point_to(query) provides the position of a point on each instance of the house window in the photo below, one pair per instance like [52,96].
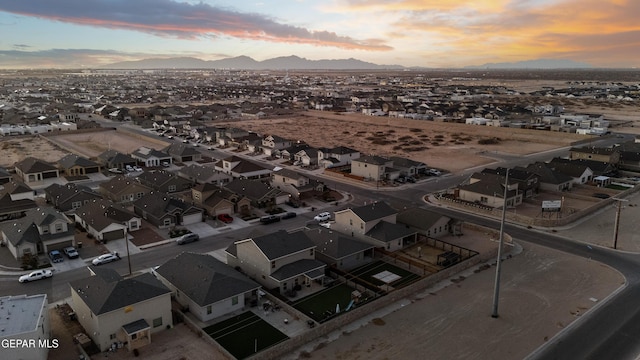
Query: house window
[350,221]
[484,199]
[361,225]
[172,188]
[157,322]
[284,286]
[311,252]
[58,227]
[177,293]
[124,197]
[134,336]
[112,337]
[167,221]
[273,264]
[76,204]
[139,195]
[133,225]
[234,300]
[209,310]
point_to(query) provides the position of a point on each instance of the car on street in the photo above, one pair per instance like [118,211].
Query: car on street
[268,219]
[71,252]
[187,238]
[35,275]
[601,195]
[225,218]
[55,256]
[322,217]
[289,215]
[104,259]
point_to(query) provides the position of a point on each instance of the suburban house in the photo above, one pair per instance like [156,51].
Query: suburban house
[338,156]
[270,143]
[279,260]
[579,172]
[107,221]
[528,182]
[374,223]
[340,251]
[260,193]
[599,168]
[603,154]
[25,318]
[289,153]
[113,310]
[14,209]
[112,159]
[243,169]
[371,167]
[488,189]
[38,232]
[306,157]
[163,181]
[550,179]
[17,190]
[206,286]
[426,222]
[296,184]
[216,200]
[69,196]
[165,211]
[122,189]
[74,165]
[34,171]
[181,152]
[151,157]
[200,174]
[408,167]
[629,156]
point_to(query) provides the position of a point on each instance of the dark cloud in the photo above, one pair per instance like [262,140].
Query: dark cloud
[182,20]
[21,46]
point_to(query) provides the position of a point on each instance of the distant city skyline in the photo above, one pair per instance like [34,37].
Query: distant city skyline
[437,34]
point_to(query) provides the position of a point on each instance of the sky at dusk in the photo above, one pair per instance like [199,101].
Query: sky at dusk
[440,34]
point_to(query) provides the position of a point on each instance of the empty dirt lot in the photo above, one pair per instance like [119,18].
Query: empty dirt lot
[449,146]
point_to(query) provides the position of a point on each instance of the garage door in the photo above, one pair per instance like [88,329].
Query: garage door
[224,210]
[91,170]
[113,235]
[192,219]
[60,245]
[187,158]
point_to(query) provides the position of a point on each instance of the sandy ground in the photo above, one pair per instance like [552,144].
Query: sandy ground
[542,292]
[88,145]
[447,146]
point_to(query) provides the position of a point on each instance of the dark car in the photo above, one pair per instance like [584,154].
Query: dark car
[269,219]
[187,238]
[55,256]
[225,218]
[601,195]
[289,215]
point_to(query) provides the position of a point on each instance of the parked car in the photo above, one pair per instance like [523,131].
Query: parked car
[322,217]
[165,164]
[435,172]
[268,219]
[187,238]
[137,168]
[35,275]
[225,218]
[129,168]
[410,179]
[115,171]
[289,215]
[71,252]
[105,258]
[55,256]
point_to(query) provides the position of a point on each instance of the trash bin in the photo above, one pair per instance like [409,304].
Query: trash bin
[79,244]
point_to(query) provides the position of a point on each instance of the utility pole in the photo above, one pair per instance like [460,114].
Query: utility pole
[616,225]
[496,292]
[126,242]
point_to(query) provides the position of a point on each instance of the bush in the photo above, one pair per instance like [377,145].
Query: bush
[489,141]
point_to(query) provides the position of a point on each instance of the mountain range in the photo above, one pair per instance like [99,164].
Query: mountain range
[246,63]
[297,63]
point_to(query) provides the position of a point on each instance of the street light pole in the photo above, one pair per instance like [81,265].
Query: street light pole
[126,242]
[496,292]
